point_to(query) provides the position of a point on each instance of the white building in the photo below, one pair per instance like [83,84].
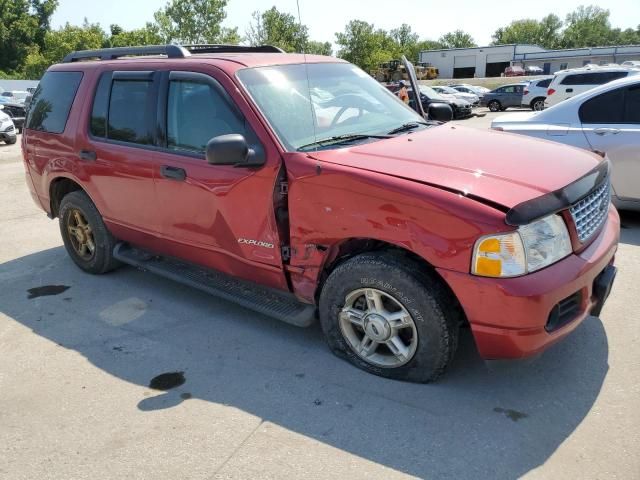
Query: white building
[491,61]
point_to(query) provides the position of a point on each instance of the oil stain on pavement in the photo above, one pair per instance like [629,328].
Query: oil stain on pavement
[167,381]
[46,290]
[512,414]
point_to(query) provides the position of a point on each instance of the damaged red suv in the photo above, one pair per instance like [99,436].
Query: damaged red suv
[301,188]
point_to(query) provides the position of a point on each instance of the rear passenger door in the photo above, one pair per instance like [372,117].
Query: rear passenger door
[221,216]
[611,123]
[118,153]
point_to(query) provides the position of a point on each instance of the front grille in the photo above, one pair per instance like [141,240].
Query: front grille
[590,213]
[565,311]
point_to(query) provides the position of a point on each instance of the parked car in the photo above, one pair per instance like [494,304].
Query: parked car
[568,83]
[15,96]
[477,89]
[533,70]
[17,113]
[472,98]
[535,92]
[631,63]
[604,119]
[504,97]
[396,230]
[7,129]
[514,71]
[461,108]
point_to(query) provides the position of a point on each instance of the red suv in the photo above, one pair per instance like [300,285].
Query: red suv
[299,186]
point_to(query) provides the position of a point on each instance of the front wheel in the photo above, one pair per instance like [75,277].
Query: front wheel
[494,106]
[11,141]
[85,236]
[382,314]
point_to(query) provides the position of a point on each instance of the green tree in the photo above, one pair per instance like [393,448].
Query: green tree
[194,21]
[457,39]
[23,24]
[280,29]
[147,35]
[319,48]
[59,43]
[544,33]
[587,27]
[406,42]
[361,44]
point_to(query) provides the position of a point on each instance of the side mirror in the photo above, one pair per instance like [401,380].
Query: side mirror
[231,149]
[440,112]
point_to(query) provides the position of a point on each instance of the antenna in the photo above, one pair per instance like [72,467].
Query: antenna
[306,71]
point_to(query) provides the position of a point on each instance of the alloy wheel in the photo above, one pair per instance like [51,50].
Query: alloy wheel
[80,234]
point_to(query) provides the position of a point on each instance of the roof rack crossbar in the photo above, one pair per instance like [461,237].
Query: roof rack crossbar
[224,48]
[171,51]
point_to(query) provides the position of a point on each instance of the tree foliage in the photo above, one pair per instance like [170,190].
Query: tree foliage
[457,39]
[194,21]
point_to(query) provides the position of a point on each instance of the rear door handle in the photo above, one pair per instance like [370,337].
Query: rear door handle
[569,90]
[87,155]
[606,131]
[174,173]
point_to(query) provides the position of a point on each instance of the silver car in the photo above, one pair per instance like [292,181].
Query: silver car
[605,119]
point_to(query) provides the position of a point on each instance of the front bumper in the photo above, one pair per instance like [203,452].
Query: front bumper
[509,317]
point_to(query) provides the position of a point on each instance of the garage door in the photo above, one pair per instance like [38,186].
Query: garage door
[465,61]
[498,57]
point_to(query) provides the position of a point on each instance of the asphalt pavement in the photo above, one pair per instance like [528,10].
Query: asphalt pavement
[128,375]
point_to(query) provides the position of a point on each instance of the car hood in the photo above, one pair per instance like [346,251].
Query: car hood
[500,168]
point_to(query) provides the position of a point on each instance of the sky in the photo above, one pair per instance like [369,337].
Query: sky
[326,17]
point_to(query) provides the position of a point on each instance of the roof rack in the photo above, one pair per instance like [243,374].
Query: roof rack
[171,51]
[224,48]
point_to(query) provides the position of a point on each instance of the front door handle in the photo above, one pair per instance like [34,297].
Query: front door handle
[174,173]
[606,131]
[87,155]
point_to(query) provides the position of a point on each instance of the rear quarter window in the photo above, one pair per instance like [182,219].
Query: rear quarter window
[544,83]
[51,103]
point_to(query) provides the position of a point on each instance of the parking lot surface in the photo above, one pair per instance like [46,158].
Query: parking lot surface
[81,394]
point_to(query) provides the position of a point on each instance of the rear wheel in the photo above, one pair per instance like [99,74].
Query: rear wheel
[11,141]
[537,104]
[86,238]
[379,312]
[494,106]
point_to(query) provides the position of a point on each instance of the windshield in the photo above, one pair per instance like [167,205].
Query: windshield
[337,99]
[430,93]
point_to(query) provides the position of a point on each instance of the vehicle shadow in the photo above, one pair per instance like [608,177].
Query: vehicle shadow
[630,227]
[486,420]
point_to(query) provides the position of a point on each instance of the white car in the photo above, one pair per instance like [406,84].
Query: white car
[568,83]
[7,129]
[477,89]
[472,98]
[535,92]
[605,119]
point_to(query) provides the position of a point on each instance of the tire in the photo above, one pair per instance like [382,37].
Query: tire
[494,106]
[101,259]
[537,104]
[11,141]
[395,278]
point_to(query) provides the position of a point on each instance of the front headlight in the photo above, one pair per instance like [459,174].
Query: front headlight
[523,251]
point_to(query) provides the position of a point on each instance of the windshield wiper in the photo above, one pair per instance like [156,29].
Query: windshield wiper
[337,139]
[407,126]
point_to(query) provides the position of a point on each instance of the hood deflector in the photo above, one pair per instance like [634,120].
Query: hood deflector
[561,199]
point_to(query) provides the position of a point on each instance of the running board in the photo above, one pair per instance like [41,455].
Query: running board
[280,305]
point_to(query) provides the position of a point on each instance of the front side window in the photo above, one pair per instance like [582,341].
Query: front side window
[305,103]
[51,103]
[195,114]
[129,111]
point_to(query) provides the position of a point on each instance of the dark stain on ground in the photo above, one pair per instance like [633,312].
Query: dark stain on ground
[300,375]
[118,349]
[185,396]
[512,414]
[317,402]
[46,290]
[167,381]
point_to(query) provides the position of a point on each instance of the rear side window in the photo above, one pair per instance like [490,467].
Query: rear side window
[128,111]
[592,78]
[121,110]
[544,83]
[51,103]
[195,114]
[605,108]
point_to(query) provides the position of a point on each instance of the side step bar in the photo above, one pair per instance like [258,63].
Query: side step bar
[280,305]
